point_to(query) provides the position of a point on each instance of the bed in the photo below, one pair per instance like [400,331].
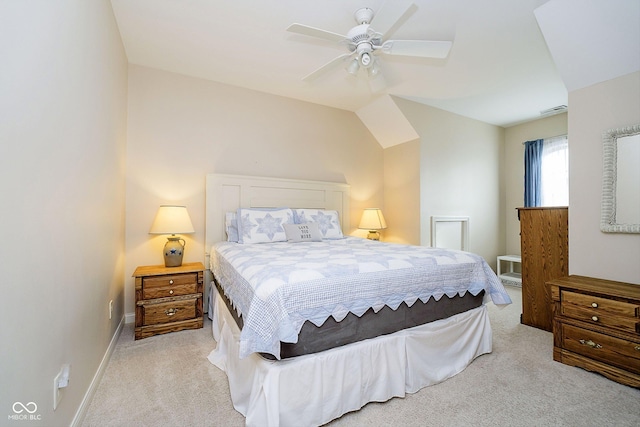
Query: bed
[303,345]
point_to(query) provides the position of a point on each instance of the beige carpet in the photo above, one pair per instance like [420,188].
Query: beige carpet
[167,381]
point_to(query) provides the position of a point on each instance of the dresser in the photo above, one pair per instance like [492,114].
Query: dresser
[544,246]
[596,326]
[168,299]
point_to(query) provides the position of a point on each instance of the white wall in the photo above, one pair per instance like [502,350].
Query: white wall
[63,82]
[514,169]
[593,110]
[402,193]
[182,128]
[460,174]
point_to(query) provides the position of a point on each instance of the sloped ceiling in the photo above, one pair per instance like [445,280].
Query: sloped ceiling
[499,69]
[602,44]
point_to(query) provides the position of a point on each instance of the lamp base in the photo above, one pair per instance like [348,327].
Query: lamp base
[373,235]
[173,252]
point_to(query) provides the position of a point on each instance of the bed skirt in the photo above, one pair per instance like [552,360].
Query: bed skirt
[317,388]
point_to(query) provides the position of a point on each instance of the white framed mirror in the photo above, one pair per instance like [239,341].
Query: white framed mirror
[621,180]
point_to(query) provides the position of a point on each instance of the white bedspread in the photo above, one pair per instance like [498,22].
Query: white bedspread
[276,287]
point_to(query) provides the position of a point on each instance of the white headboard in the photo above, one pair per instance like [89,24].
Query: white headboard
[226,193]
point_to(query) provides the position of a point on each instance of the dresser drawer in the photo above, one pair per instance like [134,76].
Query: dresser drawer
[168,286]
[172,311]
[606,312]
[605,348]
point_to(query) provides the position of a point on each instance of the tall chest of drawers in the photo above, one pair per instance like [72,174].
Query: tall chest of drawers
[596,326]
[544,247]
[168,299]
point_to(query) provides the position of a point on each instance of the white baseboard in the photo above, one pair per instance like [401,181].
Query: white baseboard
[86,401]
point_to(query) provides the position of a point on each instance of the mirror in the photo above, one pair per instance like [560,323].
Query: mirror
[621,181]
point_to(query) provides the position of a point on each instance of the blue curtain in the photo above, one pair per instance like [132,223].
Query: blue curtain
[532,172]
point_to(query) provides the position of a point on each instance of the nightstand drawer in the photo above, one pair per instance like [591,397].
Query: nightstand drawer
[621,308]
[606,312]
[171,290]
[168,280]
[172,311]
[608,349]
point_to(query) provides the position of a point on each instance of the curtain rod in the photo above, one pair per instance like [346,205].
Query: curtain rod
[551,137]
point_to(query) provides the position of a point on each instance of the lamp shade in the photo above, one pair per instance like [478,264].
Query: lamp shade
[372,219]
[172,220]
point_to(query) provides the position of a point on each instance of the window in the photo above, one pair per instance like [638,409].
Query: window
[554,177]
[546,172]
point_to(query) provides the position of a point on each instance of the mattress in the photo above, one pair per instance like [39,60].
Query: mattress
[332,334]
[278,287]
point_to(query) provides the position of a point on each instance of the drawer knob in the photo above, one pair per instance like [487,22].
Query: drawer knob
[594,304]
[595,318]
[171,311]
[171,282]
[171,292]
[590,343]
[638,348]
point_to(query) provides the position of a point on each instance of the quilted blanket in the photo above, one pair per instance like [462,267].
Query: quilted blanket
[276,287]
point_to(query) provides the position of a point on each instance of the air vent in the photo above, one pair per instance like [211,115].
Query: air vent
[555,110]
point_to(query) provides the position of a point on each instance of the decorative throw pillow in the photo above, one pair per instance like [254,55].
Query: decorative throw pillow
[328,221]
[231,225]
[263,225]
[302,232]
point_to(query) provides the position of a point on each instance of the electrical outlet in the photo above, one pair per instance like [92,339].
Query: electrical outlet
[110,309]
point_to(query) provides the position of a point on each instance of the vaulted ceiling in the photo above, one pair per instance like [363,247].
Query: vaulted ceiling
[499,70]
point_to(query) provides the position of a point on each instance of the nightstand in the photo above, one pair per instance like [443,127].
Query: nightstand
[596,326]
[168,299]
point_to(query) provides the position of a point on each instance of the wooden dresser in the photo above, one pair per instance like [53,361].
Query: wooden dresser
[544,245]
[168,299]
[596,326]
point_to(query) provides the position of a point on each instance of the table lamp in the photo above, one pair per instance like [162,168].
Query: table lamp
[172,220]
[372,220]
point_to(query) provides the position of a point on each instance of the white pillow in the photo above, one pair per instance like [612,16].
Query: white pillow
[263,225]
[231,225]
[328,221]
[303,232]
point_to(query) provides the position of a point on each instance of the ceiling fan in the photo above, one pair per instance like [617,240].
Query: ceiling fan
[370,38]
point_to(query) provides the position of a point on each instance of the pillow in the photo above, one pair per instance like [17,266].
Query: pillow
[303,232]
[263,225]
[231,225]
[328,221]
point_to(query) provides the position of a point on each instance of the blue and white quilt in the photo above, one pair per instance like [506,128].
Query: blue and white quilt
[276,287]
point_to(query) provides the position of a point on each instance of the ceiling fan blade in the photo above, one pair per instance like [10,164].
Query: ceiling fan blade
[391,16]
[420,48]
[334,63]
[316,32]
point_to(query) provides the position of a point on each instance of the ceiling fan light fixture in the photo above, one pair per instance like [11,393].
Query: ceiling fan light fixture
[374,69]
[353,67]
[366,59]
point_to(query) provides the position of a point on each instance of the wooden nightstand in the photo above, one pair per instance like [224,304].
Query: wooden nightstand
[596,326]
[168,299]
